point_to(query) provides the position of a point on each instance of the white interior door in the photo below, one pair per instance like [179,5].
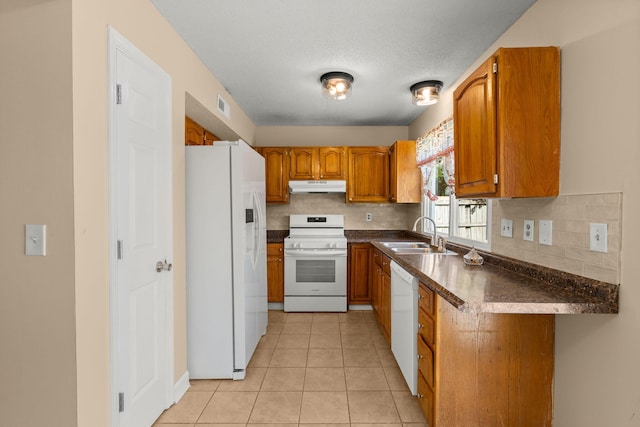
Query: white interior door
[141,200]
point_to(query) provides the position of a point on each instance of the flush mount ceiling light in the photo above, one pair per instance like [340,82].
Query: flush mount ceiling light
[336,85]
[425,93]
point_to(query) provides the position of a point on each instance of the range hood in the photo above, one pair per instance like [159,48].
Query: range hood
[303,187]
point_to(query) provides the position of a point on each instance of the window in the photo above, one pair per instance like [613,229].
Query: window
[466,221]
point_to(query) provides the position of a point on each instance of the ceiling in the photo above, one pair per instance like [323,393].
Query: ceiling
[270,54]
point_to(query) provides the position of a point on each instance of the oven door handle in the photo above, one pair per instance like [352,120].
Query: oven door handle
[315,253]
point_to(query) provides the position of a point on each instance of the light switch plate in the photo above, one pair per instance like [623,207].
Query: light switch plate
[598,238]
[528,230]
[545,232]
[506,228]
[35,239]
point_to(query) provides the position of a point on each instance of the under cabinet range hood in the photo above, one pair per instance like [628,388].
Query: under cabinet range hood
[303,187]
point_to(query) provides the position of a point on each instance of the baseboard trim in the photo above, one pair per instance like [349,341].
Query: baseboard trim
[362,307]
[181,387]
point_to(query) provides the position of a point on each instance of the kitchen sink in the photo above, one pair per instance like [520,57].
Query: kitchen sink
[421,251]
[408,248]
[407,245]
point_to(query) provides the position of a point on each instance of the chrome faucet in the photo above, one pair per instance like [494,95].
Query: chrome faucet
[435,230]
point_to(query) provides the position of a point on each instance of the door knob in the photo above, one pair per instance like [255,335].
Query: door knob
[163,266]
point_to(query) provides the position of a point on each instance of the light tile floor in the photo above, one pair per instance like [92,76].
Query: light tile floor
[309,369]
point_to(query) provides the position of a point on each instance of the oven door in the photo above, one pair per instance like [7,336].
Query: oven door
[309,272]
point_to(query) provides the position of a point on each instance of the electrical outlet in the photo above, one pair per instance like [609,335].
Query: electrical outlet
[545,233]
[528,230]
[598,237]
[506,228]
[368,216]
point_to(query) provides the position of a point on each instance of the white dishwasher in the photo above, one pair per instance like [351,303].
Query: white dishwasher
[404,323]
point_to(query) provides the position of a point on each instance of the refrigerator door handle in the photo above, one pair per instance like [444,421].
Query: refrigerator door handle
[258,225]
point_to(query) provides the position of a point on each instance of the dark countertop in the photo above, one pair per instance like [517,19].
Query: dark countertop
[500,285]
[504,285]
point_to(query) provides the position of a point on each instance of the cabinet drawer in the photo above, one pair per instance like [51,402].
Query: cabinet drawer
[425,361]
[274,249]
[425,400]
[426,299]
[426,328]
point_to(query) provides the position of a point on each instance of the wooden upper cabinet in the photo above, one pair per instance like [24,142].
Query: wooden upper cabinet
[193,132]
[209,138]
[317,163]
[276,174]
[368,174]
[507,126]
[404,175]
[332,162]
[304,163]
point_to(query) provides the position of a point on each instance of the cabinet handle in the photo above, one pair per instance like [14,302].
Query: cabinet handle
[420,326]
[420,296]
[420,396]
[419,356]
[279,259]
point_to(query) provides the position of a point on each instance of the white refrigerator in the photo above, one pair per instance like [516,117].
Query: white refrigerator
[226,258]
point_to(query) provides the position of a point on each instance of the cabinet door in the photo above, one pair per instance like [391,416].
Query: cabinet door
[474,121]
[304,163]
[275,272]
[359,289]
[374,279]
[209,138]
[277,173]
[368,174]
[385,306]
[332,162]
[404,176]
[193,132]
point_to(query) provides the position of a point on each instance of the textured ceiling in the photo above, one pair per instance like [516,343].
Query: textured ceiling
[269,54]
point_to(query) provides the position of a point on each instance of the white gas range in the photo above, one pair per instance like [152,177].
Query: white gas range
[315,264]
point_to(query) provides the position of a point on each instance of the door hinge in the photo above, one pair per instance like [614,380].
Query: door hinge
[495,178]
[495,68]
[120,402]
[118,94]
[119,249]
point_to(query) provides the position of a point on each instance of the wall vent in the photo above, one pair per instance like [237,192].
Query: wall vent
[224,108]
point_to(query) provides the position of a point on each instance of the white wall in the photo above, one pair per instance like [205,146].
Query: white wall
[274,136]
[597,374]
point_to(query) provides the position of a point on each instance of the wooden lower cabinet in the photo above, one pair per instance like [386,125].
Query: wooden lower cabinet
[275,272]
[358,277]
[375,278]
[385,298]
[380,285]
[483,369]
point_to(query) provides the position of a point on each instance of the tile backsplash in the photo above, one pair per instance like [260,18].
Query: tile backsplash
[385,216]
[571,216]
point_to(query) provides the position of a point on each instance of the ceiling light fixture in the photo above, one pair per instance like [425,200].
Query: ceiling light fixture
[425,93]
[336,85]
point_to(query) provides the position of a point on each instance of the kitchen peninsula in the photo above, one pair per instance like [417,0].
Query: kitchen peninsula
[486,335]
